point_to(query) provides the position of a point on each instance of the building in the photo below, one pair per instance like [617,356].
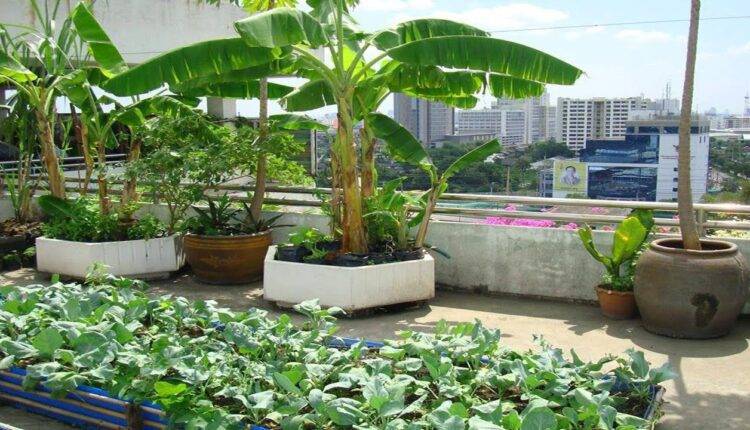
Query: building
[465,139]
[539,116]
[643,164]
[597,118]
[508,125]
[427,121]
[737,121]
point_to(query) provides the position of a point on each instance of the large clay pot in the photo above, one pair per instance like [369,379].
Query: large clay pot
[691,294]
[618,305]
[227,259]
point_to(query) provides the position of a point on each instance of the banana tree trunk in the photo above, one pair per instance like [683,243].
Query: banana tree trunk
[369,174]
[104,203]
[335,196]
[82,139]
[259,192]
[688,225]
[354,238]
[429,209]
[25,189]
[129,194]
[55,178]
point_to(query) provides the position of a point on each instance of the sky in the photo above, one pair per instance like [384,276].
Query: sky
[619,61]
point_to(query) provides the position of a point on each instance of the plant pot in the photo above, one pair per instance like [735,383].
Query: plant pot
[618,305]
[227,259]
[691,294]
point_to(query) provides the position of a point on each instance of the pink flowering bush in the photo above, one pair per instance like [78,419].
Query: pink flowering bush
[525,222]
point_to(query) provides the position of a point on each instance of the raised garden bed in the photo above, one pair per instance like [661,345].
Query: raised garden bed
[206,366]
[153,258]
[350,288]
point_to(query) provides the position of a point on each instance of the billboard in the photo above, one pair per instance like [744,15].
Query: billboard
[571,178]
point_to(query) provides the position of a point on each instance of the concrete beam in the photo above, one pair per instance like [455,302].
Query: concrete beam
[221,108]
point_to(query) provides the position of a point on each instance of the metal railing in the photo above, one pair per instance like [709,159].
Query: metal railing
[67,164]
[703,210]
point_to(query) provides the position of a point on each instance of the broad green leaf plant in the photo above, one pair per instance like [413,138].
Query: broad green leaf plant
[210,367]
[352,69]
[629,239]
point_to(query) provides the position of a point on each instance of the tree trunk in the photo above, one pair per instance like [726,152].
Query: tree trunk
[104,203]
[369,174]
[129,194]
[354,238]
[259,192]
[335,196]
[688,225]
[424,225]
[55,178]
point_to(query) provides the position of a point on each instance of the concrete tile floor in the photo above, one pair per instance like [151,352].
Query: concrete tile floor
[713,390]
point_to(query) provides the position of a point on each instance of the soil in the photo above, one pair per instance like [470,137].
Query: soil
[12,227]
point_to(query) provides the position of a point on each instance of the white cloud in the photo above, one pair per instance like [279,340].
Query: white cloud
[584,33]
[644,36]
[395,5]
[506,17]
[740,50]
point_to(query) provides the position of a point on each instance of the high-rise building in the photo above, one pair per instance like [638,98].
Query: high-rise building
[427,121]
[597,118]
[508,125]
[537,116]
[737,121]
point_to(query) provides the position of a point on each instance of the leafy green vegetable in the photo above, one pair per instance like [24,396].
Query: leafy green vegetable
[209,367]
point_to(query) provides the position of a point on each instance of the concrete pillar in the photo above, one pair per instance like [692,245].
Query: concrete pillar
[221,108]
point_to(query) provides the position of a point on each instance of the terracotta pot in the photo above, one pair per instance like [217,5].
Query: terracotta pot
[618,305]
[691,294]
[227,259]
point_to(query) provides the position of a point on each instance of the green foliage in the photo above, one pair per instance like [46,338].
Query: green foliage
[391,214]
[223,218]
[210,367]
[82,221]
[630,238]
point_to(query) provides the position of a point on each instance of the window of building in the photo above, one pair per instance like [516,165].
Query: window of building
[672,130]
[630,183]
[648,129]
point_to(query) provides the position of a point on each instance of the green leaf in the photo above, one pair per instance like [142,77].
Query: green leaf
[662,373]
[100,45]
[539,419]
[10,68]
[168,389]
[638,363]
[237,90]
[292,122]
[487,55]
[480,153]
[587,238]
[310,95]
[285,383]
[629,236]
[189,62]
[401,144]
[55,207]
[47,342]
[420,29]
[281,27]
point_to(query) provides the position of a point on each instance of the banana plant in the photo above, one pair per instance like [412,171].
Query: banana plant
[360,66]
[629,239]
[391,214]
[404,147]
[97,128]
[36,62]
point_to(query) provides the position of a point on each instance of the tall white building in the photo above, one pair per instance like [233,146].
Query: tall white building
[597,118]
[508,125]
[427,121]
[537,112]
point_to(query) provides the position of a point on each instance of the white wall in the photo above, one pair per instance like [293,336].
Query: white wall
[668,163]
[142,29]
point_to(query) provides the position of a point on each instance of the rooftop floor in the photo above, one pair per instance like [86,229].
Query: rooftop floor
[713,390]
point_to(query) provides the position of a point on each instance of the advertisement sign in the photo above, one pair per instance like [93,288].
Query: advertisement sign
[570,178]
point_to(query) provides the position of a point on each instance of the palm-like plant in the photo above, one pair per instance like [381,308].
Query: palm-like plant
[36,61]
[434,58]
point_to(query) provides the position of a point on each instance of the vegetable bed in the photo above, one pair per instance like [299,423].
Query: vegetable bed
[197,366]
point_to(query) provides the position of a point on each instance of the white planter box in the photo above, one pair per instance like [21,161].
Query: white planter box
[350,288]
[142,259]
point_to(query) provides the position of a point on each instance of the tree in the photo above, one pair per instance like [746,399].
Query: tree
[688,225]
[437,58]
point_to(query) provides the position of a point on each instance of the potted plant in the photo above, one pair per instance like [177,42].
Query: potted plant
[690,287]
[223,247]
[615,293]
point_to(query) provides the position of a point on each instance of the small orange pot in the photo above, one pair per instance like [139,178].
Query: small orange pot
[227,259]
[618,305]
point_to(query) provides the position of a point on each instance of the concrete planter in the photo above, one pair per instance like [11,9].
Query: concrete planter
[142,259]
[350,288]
